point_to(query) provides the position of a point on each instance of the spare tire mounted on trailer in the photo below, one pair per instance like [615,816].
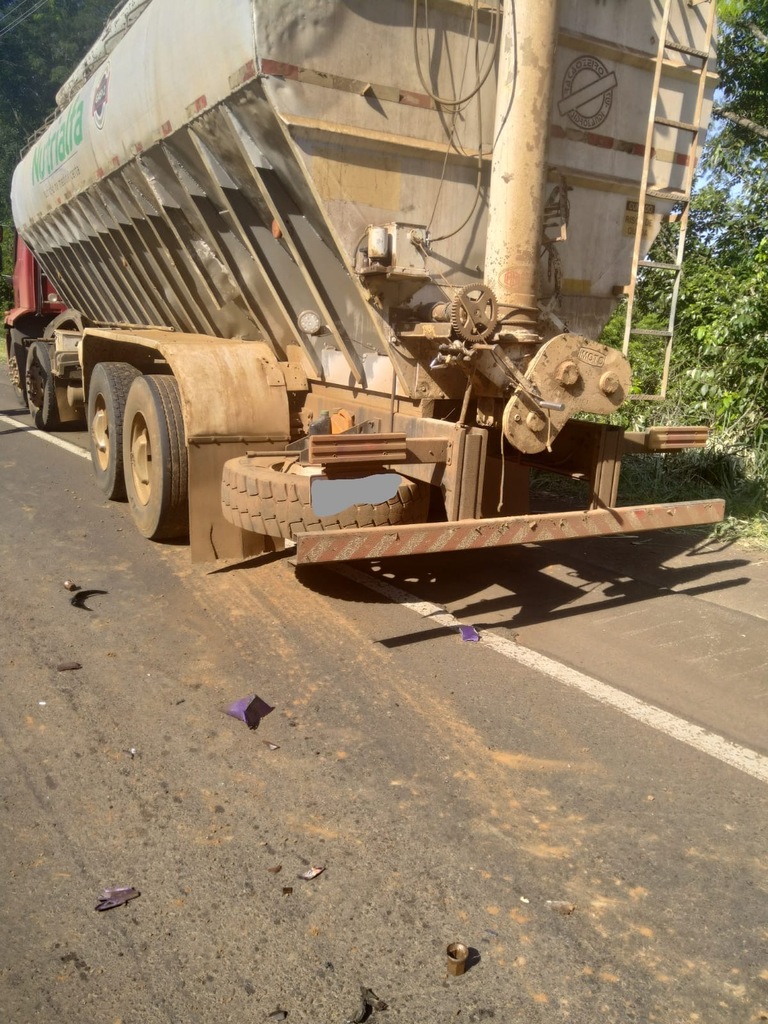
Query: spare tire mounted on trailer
[265,500]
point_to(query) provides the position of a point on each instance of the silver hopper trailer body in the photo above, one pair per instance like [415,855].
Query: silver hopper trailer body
[336,269]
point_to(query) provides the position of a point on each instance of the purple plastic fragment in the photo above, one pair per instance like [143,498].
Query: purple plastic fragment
[250,710]
[470,634]
[116,896]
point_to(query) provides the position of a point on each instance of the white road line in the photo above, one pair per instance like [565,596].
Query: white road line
[742,758]
[66,445]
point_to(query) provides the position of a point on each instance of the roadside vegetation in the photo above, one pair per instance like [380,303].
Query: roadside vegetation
[40,46]
[719,373]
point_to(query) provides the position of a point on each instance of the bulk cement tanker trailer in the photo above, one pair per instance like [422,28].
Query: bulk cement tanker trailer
[334,270]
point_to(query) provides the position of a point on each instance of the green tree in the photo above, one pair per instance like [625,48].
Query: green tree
[723,313]
[738,142]
[37,54]
[719,372]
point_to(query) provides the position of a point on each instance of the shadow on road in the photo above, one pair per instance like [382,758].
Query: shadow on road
[527,585]
[17,412]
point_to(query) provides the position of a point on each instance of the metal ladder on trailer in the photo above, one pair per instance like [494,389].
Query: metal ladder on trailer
[696,61]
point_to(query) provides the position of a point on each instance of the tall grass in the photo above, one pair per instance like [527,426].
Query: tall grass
[726,468]
[720,470]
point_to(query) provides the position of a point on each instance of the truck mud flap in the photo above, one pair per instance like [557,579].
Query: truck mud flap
[472,534]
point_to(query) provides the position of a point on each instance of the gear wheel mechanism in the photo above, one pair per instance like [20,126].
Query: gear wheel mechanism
[474,312]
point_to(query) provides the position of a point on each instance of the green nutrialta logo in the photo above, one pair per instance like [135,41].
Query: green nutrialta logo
[62,140]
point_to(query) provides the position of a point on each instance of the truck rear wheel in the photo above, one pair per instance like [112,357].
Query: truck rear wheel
[267,501]
[155,458]
[41,390]
[17,364]
[107,396]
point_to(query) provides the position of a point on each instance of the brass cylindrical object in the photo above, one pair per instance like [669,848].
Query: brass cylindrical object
[457,958]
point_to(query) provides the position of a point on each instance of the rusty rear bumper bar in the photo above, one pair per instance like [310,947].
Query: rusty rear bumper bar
[472,534]
[664,439]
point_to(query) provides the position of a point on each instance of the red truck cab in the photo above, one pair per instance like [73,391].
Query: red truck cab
[35,304]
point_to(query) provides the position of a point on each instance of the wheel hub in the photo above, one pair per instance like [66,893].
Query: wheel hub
[35,385]
[13,372]
[141,459]
[100,434]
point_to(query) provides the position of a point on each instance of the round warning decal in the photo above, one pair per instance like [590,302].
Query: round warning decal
[100,97]
[587,93]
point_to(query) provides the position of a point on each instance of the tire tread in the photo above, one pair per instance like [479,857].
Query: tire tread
[118,378]
[277,504]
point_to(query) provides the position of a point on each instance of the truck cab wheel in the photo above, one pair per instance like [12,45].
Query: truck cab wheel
[107,395]
[155,458]
[40,387]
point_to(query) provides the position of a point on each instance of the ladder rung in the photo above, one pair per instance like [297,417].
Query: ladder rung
[668,193]
[683,126]
[659,266]
[691,51]
[647,398]
[692,64]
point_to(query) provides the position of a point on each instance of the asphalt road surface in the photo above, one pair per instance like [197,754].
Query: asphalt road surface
[580,797]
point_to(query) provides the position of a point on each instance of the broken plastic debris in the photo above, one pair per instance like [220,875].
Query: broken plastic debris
[369,1001]
[70,585]
[561,907]
[524,900]
[116,896]
[469,633]
[276,869]
[311,873]
[132,751]
[68,666]
[272,746]
[250,710]
[287,890]
[78,601]
[42,703]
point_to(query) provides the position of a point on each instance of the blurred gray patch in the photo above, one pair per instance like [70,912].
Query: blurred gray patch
[329,497]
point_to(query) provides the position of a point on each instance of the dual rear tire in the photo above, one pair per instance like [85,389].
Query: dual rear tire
[138,447]
[138,451]
[107,396]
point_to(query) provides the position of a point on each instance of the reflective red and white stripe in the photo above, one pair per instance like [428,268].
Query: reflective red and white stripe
[472,534]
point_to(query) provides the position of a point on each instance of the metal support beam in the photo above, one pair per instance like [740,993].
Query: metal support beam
[473,534]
